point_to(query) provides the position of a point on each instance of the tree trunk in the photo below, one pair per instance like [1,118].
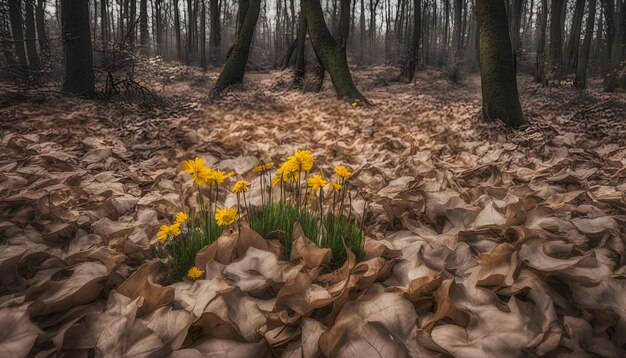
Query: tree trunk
[571,52]
[235,65]
[553,68]
[15,17]
[179,49]
[143,24]
[408,70]
[497,72]
[300,50]
[362,34]
[583,56]
[6,42]
[541,43]
[214,36]
[330,53]
[31,38]
[77,47]
[203,61]
[41,27]
[516,18]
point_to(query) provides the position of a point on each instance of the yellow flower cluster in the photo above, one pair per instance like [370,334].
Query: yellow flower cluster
[203,175]
[289,171]
[225,217]
[241,186]
[194,273]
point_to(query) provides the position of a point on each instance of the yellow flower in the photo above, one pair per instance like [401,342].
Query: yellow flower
[226,216]
[276,180]
[263,167]
[219,176]
[199,173]
[336,186]
[303,159]
[181,217]
[194,273]
[241,186]
[316,182]
[289,170]
[166,231]
[343,172]
[354,104]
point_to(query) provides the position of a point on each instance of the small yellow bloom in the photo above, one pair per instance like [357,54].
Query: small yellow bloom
[316,182]
[303,159]
[269,165]
[258,169]
[219,176]
[354,104]
[167,231]
[343,172]
[276,180]
[241,186]
[226,216]
[336,186]
[194,273]
[181,217]
[289,170]
[199,173]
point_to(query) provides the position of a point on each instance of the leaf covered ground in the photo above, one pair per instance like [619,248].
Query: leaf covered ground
[481,241]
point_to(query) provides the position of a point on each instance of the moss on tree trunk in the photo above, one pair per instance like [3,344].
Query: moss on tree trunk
[332,56]
[235,65]
[497,71]
[77,47]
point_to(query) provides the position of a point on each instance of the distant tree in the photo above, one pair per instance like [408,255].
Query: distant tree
[555,52]
[15,17]
[31,37]
[331,53]
[79,77]
[408,70]
[583,55]
[542,21]
[235,65]
[497,70]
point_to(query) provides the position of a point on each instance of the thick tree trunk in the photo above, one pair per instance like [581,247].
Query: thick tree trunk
[330,53]
[583,56]
[235,65]
[516,18]
[541,43]
[15,17]
[553,68]
[31,38]
[77,47]
[41,27]
[408,71]
[497,72]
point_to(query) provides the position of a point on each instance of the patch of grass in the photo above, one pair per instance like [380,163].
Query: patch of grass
[195,235]
[339,229]
[282,217]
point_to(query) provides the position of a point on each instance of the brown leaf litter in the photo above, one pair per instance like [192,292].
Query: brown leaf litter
[482,242]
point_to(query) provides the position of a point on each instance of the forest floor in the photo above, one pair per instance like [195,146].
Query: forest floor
[484,241]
